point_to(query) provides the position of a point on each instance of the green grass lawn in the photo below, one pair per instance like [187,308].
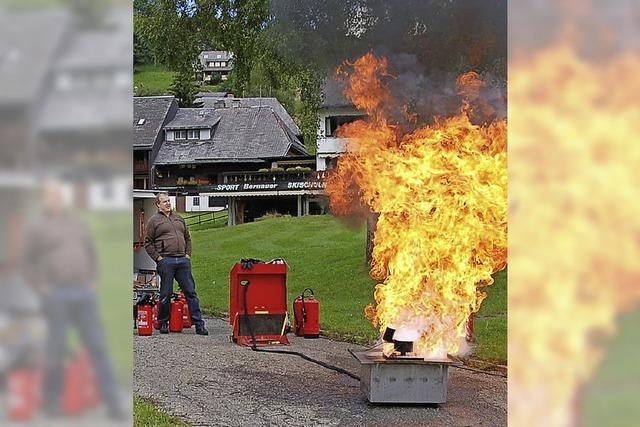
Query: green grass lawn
[112,237]
[146,414]
[151,80]
[328,257]
[611,397]
[491,322]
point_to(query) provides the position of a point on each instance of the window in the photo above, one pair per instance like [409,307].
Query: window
[218,56]
[211,64]
[217,202]
[141,122]
[193,134]
[223,64]
[217,64]
[181,134]
[196,201]
[331,163]
[333,123]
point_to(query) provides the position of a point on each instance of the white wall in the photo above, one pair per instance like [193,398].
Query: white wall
[330,146]
[110,195]
[321,163]
[169,135]
[189,203]
[205,134]
[204,205]
[331,112]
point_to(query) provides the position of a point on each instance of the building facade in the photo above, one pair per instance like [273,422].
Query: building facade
[150,114]
[241,154]
[215,65]
[334,112]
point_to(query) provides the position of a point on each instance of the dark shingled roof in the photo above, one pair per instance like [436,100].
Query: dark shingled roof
[194,118]
[212,102]
[242,134]
[84,110]
[153,109]
[103,48]
[29,42]
[333,91]
[225,56]
[211,94]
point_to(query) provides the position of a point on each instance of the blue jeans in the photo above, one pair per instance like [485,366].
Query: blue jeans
[178,268]
[77,307]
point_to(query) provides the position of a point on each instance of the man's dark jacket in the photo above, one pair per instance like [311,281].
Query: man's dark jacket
[167,236]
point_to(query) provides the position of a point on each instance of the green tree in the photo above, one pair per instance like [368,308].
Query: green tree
[169,30]
[184,88]
[141,54]
[234,25]
[309,83]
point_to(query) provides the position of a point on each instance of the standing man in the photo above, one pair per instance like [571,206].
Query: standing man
[168,243]
[60,262]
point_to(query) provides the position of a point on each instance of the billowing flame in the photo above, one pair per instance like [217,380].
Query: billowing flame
[574,249]
[440,193]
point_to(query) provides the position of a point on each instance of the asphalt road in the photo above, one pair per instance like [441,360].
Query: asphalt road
[209,381]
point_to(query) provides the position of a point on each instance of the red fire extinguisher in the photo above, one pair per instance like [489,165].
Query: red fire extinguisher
[72,401]
[23,387]
[145,317]
[470,333]
[90,389]
[175,315]
[306,312]
[186,314]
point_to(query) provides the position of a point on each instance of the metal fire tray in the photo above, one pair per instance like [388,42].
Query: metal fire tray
[400,380]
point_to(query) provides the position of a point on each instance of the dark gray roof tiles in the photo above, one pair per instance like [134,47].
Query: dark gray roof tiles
[241,134]
[333,94]
[211,94]
[216,56]
[212,55]
[216,102]
[30,42]
[103,48]
[194,118]
[153,109]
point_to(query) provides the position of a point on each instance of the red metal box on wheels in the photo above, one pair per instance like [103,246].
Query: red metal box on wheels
[258,303]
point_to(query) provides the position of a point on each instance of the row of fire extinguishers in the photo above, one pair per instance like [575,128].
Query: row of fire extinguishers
[80,392]
[149,307]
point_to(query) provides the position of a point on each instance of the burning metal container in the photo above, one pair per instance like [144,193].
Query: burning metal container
[395,374]
[402,379]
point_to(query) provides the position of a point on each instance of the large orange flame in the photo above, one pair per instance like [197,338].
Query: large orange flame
[441,195]
[574,228]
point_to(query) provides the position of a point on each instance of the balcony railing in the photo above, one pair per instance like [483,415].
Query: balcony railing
[272,176]
[331,145]
[253,181]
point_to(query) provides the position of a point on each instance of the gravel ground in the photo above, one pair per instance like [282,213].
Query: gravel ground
[209,381]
